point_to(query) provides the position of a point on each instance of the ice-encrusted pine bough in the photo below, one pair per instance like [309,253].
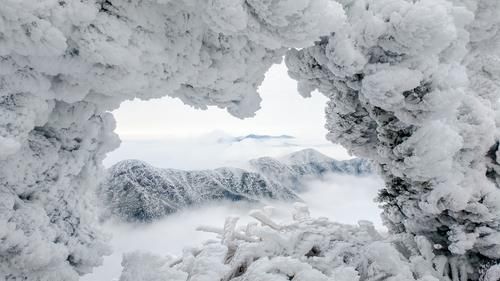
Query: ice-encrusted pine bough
[65,64]
[414,86]
[305,249]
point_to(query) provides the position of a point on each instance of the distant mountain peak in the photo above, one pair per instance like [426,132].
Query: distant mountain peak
[304,156]
[255,136]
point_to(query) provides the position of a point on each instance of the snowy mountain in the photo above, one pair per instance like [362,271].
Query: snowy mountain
[292,169]
[137,191]
[255,137]
[263,137]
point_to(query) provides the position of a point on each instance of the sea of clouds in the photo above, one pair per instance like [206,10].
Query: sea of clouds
[345,199]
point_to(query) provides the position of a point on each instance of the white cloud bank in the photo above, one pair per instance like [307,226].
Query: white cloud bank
[207,152]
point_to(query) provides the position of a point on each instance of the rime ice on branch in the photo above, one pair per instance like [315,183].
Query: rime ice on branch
[414,86]
[65,64]
[305,249]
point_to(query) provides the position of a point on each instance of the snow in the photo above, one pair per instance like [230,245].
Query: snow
[305,156]
[136,191]
[65,64]
[8,147]
[398,74]
[409,89]
[334,197]
[306,249]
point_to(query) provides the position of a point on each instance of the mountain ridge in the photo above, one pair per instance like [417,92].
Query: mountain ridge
[255,137]
[137,191]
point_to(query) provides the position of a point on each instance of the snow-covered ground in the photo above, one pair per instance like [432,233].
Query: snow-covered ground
[344,199]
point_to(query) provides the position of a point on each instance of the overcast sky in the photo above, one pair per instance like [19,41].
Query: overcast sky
[283,111]
[167,133]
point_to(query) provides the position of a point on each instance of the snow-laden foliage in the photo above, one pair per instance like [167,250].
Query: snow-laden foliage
[136,191]
[305,249]
[64,64]
[414,86]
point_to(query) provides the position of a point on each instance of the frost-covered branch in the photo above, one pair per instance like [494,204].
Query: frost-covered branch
[65,64]
[413,85]
[305,249]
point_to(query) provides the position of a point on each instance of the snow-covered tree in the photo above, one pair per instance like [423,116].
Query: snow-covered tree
[414,86]
[305,249]
[65,64]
